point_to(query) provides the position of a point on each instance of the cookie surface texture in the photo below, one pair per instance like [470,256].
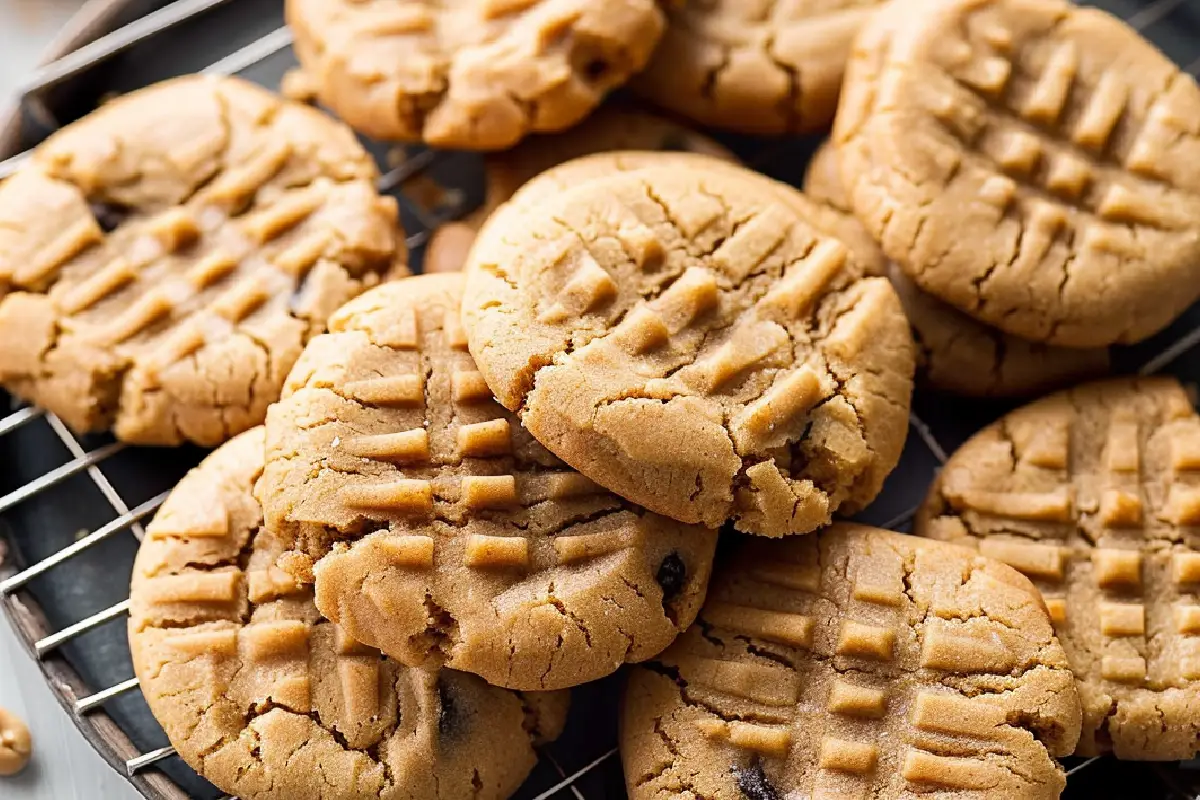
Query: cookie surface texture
[955,352]
[765,66]
[566,175]
[438,530]
[1094,493]
[1030,162]
[470,74]
[683,338]
[164,260]
[263,696]
[855,663]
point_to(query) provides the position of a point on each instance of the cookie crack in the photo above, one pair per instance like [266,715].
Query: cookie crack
[558,605]
[789,104]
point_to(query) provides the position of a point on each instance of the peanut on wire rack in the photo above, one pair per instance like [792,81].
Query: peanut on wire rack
[72,507]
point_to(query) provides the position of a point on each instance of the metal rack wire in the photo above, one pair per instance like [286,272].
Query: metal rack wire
[560,771]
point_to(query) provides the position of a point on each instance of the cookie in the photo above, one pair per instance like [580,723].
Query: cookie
[768,67]
[476,75]
[448,247]
[263,696]
[855,662]
[164,260]
[436,528]
[1094,493]
[683,338]
[955,352]
[16,745]
[1030,162]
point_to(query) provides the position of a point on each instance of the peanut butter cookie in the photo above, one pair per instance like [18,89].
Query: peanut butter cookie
[1094,493]
[1029,161]
[267,699]
[687,340]
[470,74]
[436,528]
[763,66]
[855,663]
[164,260]
[955,352]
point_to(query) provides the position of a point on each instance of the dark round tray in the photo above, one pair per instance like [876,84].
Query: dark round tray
[99,481]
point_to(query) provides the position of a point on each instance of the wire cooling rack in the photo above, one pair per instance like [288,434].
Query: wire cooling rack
[72,507]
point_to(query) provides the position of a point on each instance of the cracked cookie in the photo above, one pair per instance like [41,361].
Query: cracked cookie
[855,662]
[436,528]
[470,74]
[767,66]
[1030,162]
[164,260]
[955,352]
[1094,494]
[267,699]
[685,339]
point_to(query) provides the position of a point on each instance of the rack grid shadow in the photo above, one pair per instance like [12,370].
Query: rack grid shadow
[72,507]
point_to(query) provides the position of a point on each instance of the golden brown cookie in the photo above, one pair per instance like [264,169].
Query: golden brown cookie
[757,66]
[267,699]
[470,74]
[1029,161]
[439,531]
[955,352]
[1094,493]
[685,339]
[168,256]
[855,662]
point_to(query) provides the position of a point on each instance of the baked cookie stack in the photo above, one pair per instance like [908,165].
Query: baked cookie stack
[164,260]
[442,501]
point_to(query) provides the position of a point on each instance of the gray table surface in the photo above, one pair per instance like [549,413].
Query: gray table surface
[64,766]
